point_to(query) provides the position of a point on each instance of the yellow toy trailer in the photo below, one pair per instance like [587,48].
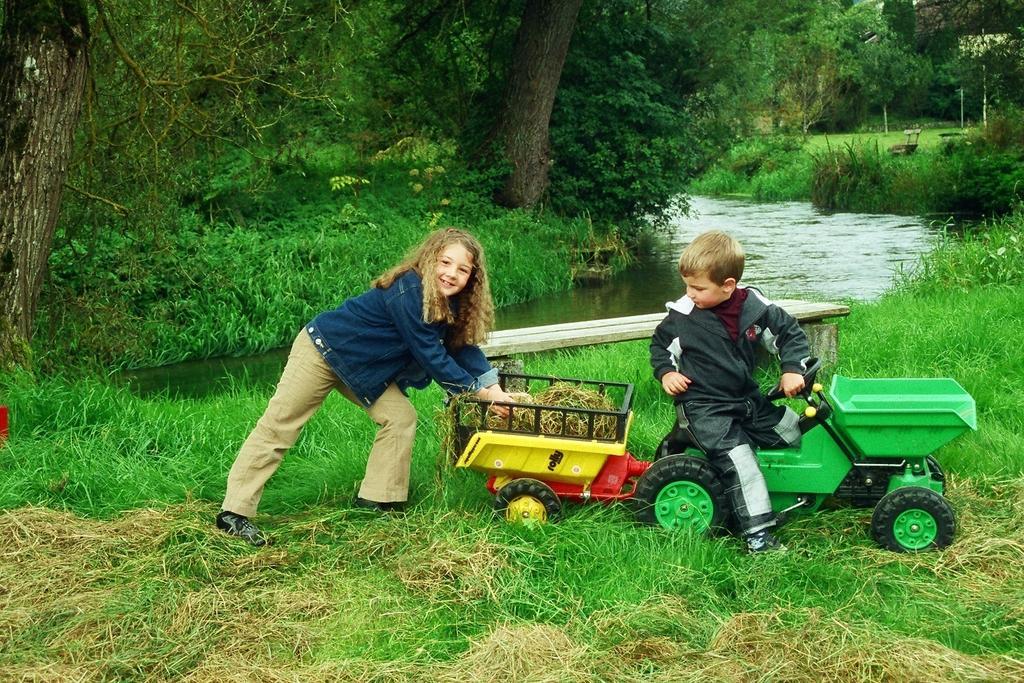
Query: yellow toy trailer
[542,454]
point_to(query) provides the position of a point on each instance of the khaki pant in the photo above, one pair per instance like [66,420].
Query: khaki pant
[304,384]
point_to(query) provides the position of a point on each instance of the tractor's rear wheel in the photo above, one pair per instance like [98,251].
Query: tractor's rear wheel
[912,519]
[681,492]
[935,469]
[525,500]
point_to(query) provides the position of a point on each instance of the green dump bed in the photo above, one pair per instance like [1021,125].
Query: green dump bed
[900,417]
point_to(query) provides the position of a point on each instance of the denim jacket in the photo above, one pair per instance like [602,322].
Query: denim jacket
[380,337]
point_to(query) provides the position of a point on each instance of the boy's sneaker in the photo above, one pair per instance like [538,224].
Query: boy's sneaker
[763,542]
[239,525]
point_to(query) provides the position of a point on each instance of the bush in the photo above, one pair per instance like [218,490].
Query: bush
[621,153]
[984,179]
[867,178]
[771,168]
[761,154]
[720,181]
[1005,130]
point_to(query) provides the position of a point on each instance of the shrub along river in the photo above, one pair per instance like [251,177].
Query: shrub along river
[793,251]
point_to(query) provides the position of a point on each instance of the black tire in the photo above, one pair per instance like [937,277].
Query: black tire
[935,469]
[676,442]
[519,491]
[913,519]
[681,491]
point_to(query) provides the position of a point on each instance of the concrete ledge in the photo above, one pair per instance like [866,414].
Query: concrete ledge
[823,336]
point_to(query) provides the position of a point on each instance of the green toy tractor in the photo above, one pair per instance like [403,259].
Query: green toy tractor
[865,441]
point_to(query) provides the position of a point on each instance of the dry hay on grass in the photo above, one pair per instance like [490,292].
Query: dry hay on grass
[127,598]
[455,569]
[795,646]
[226,669]
[439,559]
[985,562]
[50,558]
[989,544]
[31,672]
[521,652]
[770,647]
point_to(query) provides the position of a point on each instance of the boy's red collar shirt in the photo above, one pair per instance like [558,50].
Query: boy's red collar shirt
[729,312]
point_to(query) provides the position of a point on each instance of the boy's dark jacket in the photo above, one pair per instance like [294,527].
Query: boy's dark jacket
[380,337]
[694,342]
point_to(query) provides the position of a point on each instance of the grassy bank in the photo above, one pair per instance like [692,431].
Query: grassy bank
[791,169]
[112,570]
[977,172]
[239,270]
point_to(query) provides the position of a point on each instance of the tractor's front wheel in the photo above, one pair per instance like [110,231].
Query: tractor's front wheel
[524,500]
[912,519]
[681,492]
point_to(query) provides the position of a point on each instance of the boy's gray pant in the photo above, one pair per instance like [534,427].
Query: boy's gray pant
[728,432]
[305,383]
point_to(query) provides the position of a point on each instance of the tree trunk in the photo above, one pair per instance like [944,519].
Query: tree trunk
[43,66]
[539,55]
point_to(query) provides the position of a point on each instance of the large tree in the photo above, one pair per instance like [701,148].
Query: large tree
[43,66]
[539,55]
[167,82]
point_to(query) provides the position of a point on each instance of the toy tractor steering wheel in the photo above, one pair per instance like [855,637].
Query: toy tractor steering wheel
[813,365]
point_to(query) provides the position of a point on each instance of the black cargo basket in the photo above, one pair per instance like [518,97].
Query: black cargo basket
[609,426]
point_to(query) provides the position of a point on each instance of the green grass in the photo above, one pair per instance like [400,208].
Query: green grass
[843,172]
[111,568]
[930,138]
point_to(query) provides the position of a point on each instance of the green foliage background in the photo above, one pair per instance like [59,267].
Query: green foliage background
[238,161]
[266,160]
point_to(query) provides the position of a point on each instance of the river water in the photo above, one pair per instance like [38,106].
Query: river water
[793,251]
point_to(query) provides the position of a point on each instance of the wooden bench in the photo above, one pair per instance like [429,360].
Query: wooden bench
[910,145]
[822,335]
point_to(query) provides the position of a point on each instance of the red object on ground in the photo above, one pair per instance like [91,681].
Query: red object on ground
[3,423]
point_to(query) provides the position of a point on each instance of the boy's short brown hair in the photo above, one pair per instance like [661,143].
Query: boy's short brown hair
[715,254]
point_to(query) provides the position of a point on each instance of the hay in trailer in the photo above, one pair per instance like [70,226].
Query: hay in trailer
[547,404]
[561,422]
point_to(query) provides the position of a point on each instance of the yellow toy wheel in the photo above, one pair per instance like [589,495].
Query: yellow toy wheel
[526,508]
[527,500]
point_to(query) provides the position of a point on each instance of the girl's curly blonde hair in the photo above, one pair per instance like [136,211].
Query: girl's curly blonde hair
[474,305]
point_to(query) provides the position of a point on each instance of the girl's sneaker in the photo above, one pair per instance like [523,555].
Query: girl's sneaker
[239,525]
[763,542]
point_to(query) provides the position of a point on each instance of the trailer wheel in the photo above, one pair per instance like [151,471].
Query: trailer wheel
[912,519]
[681,492]
[523,500]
